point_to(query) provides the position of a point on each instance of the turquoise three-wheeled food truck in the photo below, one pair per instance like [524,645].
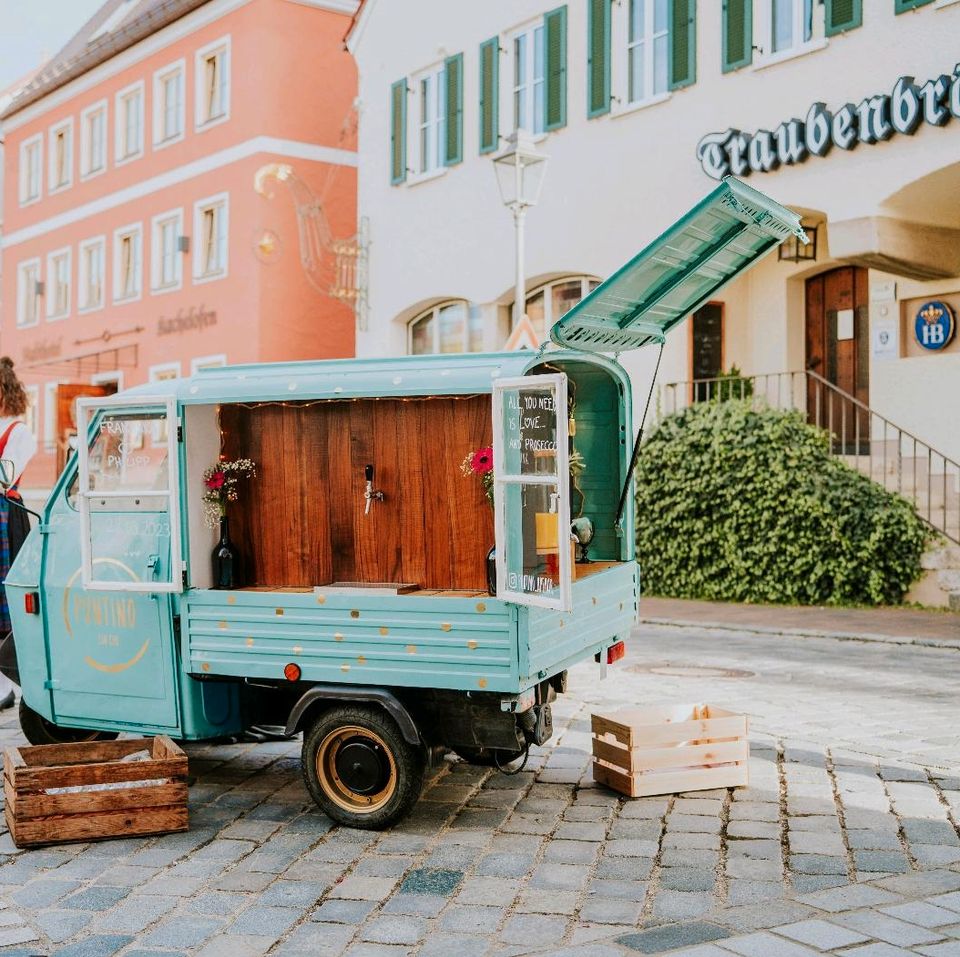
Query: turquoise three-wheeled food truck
[395,594]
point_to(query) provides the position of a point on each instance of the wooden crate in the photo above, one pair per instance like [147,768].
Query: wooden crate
[38,811]
[664,750]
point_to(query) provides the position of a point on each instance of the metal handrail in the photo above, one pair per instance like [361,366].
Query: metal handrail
[856,431]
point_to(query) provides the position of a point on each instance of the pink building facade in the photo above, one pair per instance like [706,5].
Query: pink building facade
[139,241]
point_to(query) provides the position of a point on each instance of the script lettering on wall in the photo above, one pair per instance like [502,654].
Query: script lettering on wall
[873,120]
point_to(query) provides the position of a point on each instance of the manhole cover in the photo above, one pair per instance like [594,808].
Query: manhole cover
[690,671]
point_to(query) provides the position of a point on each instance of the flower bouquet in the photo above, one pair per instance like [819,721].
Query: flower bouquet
[220,482]
[480,464]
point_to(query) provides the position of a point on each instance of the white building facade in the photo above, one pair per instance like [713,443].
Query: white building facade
[848,111]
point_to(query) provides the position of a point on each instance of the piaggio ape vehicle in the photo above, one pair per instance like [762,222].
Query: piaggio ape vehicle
[363,616]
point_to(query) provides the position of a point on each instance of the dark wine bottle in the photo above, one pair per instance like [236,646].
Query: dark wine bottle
[224,558]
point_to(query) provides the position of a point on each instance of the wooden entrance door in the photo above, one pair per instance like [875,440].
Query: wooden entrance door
[836,350]
[67,395]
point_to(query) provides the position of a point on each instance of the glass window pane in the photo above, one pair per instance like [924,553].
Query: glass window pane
[660,16]
[539,85]
[529,432]
[531,549]
[636,19]
[475,329]
[421,336]
[564,296]
[535,307]
[782,24]
[636,84]
[807,20]
[660,59]
[520,82]
[452,327]
[126,454]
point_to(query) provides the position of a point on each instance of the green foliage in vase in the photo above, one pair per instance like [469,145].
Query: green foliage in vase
[742,504]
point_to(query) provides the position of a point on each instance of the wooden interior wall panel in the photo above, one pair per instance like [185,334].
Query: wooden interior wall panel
[301,522]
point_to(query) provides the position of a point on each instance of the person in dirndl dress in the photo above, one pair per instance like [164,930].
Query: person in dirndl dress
[18,445]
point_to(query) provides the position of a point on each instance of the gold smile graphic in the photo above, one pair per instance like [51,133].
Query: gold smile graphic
[88,659]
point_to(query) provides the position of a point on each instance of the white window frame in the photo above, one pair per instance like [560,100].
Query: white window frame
[158,373]
[547,288]
[620,60]
[27,198]
[113,377]
[133,229]
[201,120]
[23,295]
[157,285]
[430,131]
[160,139]
[557,384]
[31,416]
[87,171]
[122,152]
[83,277]
[223,201]
[208,362]
[533,87]
[763,28]
[434,313]
[65,127]
[50,290]
[85,406]
[50,415]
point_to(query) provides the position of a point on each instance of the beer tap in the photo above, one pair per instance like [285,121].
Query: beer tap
[371,494]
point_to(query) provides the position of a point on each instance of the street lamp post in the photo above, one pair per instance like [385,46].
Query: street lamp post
[520,168]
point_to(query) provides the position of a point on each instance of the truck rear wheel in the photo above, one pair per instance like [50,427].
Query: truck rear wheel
[37,730]
[360,769]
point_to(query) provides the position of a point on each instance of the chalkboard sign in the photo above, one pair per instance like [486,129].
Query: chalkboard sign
[531,423]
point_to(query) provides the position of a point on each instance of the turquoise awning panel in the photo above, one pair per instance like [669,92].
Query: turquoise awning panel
[720,238]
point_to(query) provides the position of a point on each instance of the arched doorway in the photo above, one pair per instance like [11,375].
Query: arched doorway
[837,337]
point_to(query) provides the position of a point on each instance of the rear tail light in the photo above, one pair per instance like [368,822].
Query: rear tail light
[616,652]
[31,603]
[292,672]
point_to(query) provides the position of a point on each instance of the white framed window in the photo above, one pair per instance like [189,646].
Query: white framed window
[431,111]
[210,226]
[31,169]
[114,377]
[93,139]
[166,262]
[529,78]
[50,416]
[91,255]
[791,24]
[28,293]
[646,37]
[33,407]
[164,372]
[547,303]
[212,71]
[448,327]
[207,362]
[168,104]
[129,123]
[58,283]
[128,263]
[60,174]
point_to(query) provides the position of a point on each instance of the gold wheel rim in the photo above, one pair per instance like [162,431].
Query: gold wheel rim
[336,789]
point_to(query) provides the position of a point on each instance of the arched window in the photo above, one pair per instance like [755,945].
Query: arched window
[448,327]
[547,303]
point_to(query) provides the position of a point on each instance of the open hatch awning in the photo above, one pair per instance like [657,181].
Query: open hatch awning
[721,237]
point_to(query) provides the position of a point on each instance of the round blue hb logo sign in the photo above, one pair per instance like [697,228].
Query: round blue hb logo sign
[934,325]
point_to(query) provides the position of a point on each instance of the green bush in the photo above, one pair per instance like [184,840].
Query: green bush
[740,504]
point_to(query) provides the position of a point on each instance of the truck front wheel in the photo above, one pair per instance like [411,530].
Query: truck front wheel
[37,730]
[360,769]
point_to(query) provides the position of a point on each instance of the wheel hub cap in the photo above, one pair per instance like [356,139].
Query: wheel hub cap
[362,766]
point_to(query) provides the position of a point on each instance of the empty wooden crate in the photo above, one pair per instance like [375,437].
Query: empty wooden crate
[663,750]
[56,793]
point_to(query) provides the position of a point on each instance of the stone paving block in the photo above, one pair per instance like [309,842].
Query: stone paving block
[681,905]
[427,880]
[693,823]
[749,892]
[525,928]
[820,934]
[363,888]
[761,850]
[314,940]
[415,905]
[922,913]
[528,824]
[880,950]
[922,884]
[95,898]
[762,916]
[366,949]
[219,903]
[626,890]
[638,828]
[136,913]
[950,948]
[951,901]
[283,893]
[688,857]
[630,847]
[61,925]
[470,918]
[764,944]
[566,852]
[754,811]
[744,868]
[395,930]
[690,839]
[252,881]
[42,892]
[687,879]
[343,911]
[690,805]
[656,940]
[569,830]
[624,868]
[183,931]
[818,864]
[883,862]
[808,883]
[562,876]
[267,922]
[888,929]
[922,831]
[753,829]
[810,842]
[644,807]
[935,855]
[102,945]
[872,840]
[537,901]
[611,910]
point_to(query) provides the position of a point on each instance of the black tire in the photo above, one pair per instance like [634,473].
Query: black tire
[384,776]
[487,757]
[37,730]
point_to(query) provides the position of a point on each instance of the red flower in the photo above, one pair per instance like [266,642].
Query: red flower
[215,481]
[482,461]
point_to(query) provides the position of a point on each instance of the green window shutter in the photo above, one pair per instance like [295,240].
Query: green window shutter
[843,15]
[489,94]
[555,88]
[683,43]
[737,34]
[398,132]
[453,94]
[901,6]
[598,57]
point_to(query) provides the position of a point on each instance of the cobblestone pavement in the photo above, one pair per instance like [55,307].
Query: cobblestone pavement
[845,842]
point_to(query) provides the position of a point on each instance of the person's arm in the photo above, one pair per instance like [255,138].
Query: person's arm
[21,447]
